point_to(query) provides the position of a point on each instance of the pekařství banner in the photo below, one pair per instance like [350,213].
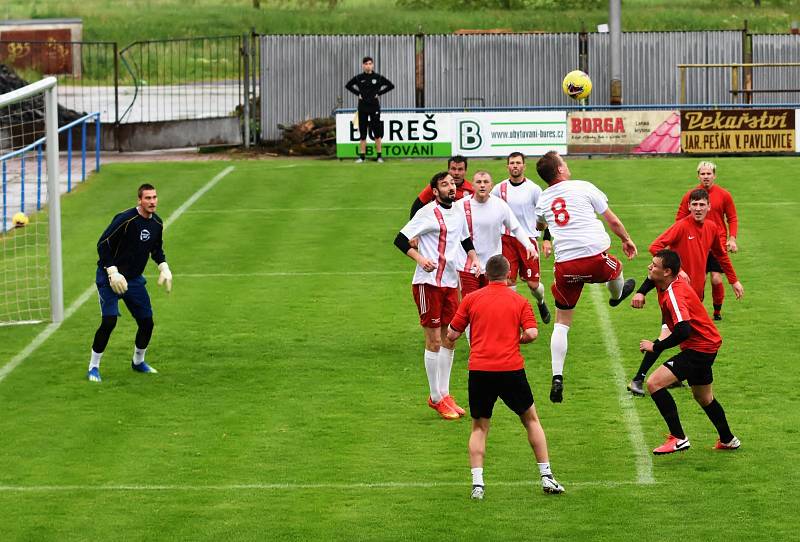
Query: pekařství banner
[408,135]
[738,131]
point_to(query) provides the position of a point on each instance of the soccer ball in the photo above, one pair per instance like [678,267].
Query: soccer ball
[20,220]
[577,85]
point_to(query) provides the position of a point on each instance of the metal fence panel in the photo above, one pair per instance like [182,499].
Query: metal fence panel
[649,67]
[776,48]
[498,70]
[304,76]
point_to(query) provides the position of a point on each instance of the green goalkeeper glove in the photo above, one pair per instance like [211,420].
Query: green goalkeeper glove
[165,276]
[118,283]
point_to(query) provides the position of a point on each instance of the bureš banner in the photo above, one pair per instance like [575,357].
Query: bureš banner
[405,135]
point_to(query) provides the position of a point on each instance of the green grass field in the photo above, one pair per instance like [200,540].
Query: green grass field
[125,21]
[290,403]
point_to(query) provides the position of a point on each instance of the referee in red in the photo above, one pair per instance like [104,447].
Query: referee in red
[497,315]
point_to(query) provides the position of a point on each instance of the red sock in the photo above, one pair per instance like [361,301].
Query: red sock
[718,293]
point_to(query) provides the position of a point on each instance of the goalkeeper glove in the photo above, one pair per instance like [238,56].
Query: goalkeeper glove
[118,283]
[165,276]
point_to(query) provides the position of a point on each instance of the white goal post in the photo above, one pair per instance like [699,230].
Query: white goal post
[21,138]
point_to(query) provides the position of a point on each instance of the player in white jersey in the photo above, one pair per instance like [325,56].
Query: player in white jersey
[442,234]
[487,215]
[522,194]
[569,209]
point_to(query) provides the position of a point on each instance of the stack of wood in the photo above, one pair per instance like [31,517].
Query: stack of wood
[308,138]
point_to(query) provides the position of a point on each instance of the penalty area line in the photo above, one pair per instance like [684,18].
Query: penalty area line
[48,331]
[644,463]
[294,486]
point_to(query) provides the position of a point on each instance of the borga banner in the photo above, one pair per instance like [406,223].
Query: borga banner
[622,132]
[503,132]
[405,135]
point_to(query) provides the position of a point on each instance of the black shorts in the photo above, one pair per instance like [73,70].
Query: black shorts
[369,117]
[692,366]
[713,265]
[510,386]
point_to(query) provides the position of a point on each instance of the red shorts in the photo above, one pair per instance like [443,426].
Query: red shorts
[514,251]
[570,277]
[470,283]
[436,305]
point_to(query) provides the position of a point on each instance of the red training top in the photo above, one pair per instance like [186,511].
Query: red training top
[693,241]
[722,208]
[496,315]
[426,196]
[679,303]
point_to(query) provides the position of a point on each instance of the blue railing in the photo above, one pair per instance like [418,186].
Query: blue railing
[37,147]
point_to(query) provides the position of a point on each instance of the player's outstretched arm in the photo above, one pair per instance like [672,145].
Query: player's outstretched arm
[616,225]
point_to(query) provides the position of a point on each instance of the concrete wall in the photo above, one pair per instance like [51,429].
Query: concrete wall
[148,136]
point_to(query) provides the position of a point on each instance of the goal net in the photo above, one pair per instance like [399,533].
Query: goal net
[31,281]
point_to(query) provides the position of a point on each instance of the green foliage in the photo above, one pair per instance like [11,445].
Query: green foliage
[496,4]
[290,403]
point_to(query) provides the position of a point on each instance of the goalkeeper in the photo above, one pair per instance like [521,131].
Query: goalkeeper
[132,237]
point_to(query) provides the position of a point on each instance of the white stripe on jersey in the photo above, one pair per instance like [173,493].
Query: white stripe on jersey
[570,209]
[522,199]
[674,303]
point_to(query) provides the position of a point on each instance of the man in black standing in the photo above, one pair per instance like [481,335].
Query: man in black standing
[368,85]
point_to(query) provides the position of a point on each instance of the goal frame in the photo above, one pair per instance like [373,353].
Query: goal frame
[49,87]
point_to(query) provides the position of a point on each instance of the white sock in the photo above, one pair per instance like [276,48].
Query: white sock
[138,355]
[544,469]
[445,366]
[477,476]
[538,293]
[94,362]
[615,286]
[466,333]
[432,369]
[513,287]
[558,348]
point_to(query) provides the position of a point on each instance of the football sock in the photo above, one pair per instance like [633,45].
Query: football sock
[716,414]
[544,469]
[138,355]
[363,156]
[513,287]
[669,411]
[717,295]
[477,476]
[558,348]
[378,155]
[615,286]
[717,308]
[432,369]
[445,366]
[647,361]
[466,333]
[95,362]
[538,293]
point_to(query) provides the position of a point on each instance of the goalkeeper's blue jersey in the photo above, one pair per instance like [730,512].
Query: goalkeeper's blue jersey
[129,241]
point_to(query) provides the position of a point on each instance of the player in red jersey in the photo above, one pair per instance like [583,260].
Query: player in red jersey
[692,329]
[723,212]
[497,315]
[694,238]
[457,168]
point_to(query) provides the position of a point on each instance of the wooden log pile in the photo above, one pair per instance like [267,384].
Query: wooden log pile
[312,137]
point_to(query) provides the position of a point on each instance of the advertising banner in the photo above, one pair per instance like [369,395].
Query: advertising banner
[738,131]
[502,132]
[405,135]
[623,132]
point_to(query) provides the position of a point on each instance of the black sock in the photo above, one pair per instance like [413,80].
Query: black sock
[716,414]
[647,361]
[669,411]
[717,307]
[379,155]
[362,155]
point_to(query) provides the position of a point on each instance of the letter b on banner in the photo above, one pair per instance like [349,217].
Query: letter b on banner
[469,135]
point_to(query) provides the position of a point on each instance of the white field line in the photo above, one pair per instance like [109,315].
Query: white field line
[644,463]
[293,487]
[293,274]
[45,334]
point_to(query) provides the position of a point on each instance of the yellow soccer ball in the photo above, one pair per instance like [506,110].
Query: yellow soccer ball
[20,220]
[577,85]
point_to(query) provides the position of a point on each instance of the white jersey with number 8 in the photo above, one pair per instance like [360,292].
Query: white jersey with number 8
[570,209]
